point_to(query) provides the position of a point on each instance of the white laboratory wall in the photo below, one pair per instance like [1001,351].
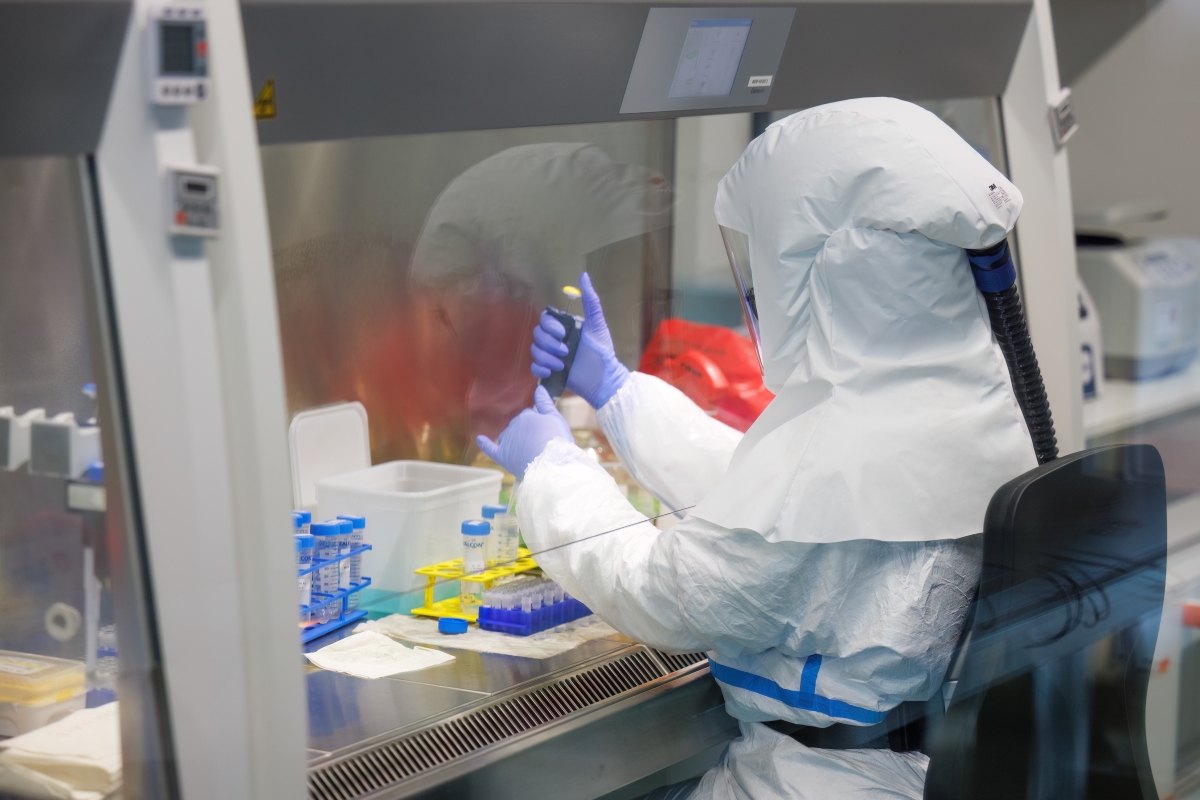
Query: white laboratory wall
[1138,109]
[705,149]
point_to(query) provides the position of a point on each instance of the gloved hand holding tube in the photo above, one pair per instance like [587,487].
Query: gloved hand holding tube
[595,374]
[527,435]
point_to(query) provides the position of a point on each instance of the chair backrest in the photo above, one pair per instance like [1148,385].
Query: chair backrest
[1047,695]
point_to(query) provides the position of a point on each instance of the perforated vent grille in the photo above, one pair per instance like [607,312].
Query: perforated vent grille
[385,764]
[674,663]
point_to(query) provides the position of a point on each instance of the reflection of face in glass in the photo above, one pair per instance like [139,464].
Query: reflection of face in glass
[507,234]
[737,247]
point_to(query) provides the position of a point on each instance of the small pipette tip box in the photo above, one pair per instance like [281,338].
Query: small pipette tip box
[526,623]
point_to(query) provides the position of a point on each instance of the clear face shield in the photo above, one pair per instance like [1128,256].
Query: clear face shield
[737,247]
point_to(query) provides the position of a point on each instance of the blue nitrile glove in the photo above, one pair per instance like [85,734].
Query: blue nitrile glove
[527,435]
[596,374]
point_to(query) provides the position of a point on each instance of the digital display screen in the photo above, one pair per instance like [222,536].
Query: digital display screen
[711,54]
[178,49]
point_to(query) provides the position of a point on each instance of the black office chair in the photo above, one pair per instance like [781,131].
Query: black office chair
[1047,693]
[1045,698]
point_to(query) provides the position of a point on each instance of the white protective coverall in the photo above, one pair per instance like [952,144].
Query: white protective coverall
[829,557]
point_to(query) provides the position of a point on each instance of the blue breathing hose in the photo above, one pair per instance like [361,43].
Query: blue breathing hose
[996,277]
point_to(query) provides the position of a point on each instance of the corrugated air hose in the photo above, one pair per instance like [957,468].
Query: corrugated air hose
[996,277]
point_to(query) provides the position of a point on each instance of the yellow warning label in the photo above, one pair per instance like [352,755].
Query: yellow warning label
[264,103]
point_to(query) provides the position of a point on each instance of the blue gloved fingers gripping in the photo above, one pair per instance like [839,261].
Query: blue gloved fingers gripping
[556,382]
[550,342]
[542,402]
[527,435]
[551,324]
[548,363]
[548,347]
[996,277]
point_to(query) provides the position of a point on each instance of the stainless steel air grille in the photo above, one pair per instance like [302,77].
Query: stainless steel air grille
[366,772]
[674,663]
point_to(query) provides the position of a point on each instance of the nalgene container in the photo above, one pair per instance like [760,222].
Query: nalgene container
[305,543]
[357,537]
[344,545]
[302,521]
[475,533]
[414,509]
[498,516]
[326,578]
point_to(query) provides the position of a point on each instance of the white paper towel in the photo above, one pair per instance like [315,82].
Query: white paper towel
[373,655]
[540,645]
[76,758]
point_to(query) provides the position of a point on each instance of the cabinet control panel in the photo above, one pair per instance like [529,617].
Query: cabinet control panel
[177,55]
[706,58]
[193,194]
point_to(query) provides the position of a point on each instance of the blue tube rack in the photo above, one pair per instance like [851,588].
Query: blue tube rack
[519,623]
[341,597]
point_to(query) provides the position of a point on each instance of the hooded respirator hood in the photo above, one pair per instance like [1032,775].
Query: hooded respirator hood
[895,417]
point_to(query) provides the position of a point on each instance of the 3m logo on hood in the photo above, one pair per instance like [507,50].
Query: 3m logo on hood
[998,196]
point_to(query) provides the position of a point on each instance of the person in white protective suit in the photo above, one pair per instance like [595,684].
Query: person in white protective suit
[828,557]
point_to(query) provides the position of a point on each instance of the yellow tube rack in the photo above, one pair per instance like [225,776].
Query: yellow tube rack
[453,570]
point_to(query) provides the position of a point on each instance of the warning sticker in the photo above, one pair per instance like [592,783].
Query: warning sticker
[998,196]
[264,102]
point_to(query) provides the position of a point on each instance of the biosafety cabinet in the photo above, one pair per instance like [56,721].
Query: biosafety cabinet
[220,218]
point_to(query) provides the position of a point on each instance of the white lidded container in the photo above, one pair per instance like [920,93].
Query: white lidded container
[413,509]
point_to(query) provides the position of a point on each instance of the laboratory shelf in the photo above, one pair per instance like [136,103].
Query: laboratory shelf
[1128,403]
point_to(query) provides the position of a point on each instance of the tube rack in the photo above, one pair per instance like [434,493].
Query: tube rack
[516,622]
[453,570]
[341,596]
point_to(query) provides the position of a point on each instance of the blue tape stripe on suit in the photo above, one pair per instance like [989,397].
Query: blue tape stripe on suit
[805,699]
[808,676]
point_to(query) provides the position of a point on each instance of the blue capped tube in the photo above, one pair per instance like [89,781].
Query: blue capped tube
[305,543]
[358,536]
[326,580]
[345,535]
[501,550]
[475,533]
